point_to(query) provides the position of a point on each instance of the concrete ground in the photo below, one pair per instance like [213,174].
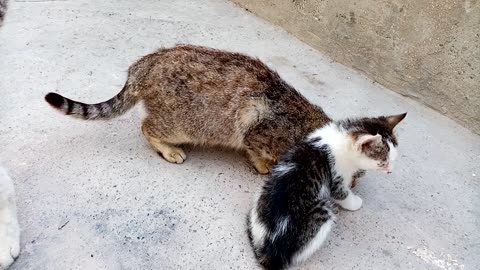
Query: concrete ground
[93,195]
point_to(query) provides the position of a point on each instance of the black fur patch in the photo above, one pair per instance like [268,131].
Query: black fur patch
[70,106]
[85,110]
[55,100]
[293,195]
[372,126]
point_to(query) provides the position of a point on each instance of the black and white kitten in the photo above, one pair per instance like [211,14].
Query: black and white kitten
[295,210]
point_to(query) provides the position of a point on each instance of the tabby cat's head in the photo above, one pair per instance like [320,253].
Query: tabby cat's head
[374,141]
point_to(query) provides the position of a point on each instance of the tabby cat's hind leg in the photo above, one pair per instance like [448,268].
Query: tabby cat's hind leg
[161,144]
[262,164]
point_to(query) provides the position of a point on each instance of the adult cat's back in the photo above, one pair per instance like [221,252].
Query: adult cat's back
[233,91]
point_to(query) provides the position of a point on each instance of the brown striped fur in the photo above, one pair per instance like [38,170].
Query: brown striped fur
[202,96]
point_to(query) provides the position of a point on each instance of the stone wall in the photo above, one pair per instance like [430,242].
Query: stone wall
[427,50]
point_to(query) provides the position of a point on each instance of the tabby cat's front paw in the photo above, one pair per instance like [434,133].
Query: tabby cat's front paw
[173,155]
[263,166]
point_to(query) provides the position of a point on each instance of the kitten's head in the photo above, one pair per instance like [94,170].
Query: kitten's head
[374,141]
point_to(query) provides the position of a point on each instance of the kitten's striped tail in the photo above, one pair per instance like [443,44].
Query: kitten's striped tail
[115,106]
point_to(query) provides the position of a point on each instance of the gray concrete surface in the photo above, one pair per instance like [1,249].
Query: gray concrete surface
[427,50]
[93,195]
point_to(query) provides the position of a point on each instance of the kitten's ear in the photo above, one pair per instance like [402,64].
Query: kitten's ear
[368,140]
[393,120]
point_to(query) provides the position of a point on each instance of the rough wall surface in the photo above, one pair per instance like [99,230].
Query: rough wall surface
[427,50]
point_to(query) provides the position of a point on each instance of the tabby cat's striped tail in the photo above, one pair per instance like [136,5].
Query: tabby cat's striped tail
[3,10]
[103,110]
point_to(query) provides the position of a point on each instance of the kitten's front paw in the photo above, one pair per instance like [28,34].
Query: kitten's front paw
[356,203]
[359,174]
[352,202]
[9,250]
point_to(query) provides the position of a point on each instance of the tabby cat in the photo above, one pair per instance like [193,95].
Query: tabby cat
[202,96]
[295,210]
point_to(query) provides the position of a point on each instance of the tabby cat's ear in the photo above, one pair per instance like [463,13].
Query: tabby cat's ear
[393,120]
[367,140]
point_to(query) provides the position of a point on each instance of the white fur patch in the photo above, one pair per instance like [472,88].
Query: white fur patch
[283,168]
[64,106]
[257,228]
[6,187]
[314,244]
[324,192]
[352,202]
[281,227]
[341,145]
[393,153]
[9,230]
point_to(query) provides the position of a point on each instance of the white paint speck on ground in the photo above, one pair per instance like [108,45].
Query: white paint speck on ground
[442,261]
